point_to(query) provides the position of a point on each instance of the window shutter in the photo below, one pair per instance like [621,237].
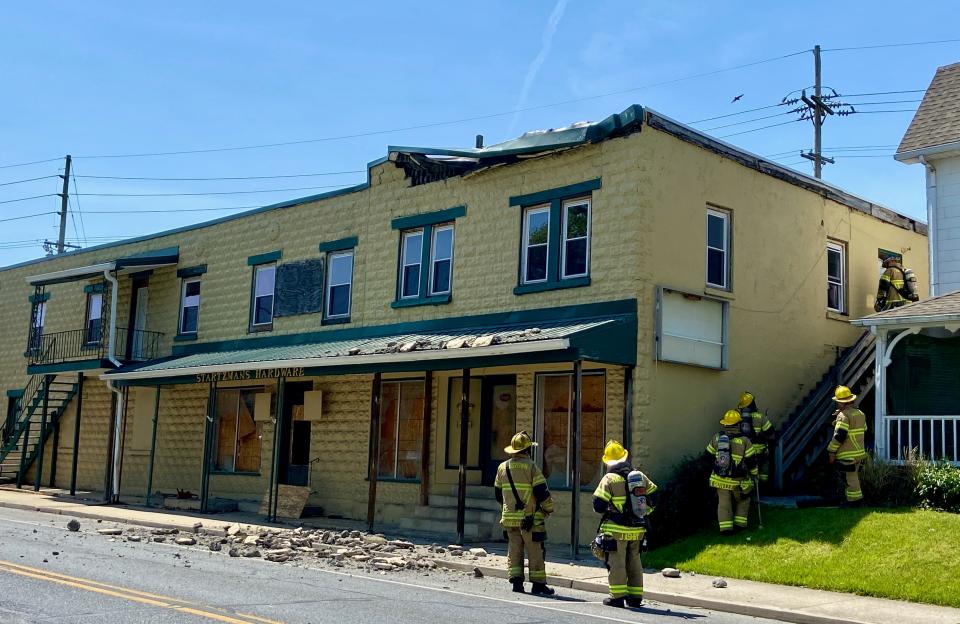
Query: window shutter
[299,288]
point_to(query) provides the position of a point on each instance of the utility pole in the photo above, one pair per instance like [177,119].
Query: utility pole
[64,197]
[819,110]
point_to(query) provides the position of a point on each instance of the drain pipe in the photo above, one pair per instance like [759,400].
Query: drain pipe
[114,493]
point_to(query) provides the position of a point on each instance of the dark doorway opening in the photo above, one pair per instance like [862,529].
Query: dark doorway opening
[294,466]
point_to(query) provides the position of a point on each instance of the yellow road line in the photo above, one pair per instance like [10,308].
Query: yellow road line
[123,593]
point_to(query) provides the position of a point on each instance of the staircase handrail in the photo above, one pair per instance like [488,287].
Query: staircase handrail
[27,408]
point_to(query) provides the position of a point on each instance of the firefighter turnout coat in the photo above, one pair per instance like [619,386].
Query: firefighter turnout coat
[532,489]
[849,428]
[742,469]
[620,523]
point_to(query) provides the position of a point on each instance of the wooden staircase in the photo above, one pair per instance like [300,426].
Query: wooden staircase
[22,442]
[807,431]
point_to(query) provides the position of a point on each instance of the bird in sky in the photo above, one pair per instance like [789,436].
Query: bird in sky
[736,98]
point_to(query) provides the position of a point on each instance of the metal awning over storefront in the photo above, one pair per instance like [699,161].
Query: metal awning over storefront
[610,340]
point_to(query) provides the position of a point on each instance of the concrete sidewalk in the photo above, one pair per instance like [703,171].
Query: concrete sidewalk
[784,603]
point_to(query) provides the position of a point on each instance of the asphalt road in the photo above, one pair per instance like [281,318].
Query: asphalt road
[49,575]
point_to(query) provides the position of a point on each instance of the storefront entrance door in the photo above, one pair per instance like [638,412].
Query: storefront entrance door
[492,420]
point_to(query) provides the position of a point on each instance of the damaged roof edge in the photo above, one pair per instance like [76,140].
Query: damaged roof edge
[753,161]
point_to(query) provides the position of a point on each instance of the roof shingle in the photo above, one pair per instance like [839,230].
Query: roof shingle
[937,121]
[944,306]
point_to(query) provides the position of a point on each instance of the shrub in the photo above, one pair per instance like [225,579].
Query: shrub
[686,503]
[938,485]
[886,484]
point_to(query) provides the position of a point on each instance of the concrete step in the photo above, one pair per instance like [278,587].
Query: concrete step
[471,531]
[487,504]
[449,514]
[475,491]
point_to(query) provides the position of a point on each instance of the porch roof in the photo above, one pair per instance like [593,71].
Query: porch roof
[126,264]
[937,311]
[610,340]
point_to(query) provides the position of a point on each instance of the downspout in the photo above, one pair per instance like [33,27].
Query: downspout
[932,204]
[114,493]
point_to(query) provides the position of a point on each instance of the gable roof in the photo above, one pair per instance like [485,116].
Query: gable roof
[937,121]
[942,309]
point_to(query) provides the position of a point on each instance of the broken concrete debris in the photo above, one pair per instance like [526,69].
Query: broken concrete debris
[73,526]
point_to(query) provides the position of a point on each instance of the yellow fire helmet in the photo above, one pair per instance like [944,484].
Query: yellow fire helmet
[746,398]
[731,418]
[843,395]
[614,453]
[520,442]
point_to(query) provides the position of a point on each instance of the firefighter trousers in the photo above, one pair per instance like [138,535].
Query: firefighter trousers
[851,473]
[733,508]
[624,570]
[517,542]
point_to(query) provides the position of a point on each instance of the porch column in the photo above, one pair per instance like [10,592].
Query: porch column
[277,434]
[76,436]
[425,441]
[207,446]
[880,435]
[153,446]
[628,373]
[374,465]
[38,475]
[462,481]
[575,423]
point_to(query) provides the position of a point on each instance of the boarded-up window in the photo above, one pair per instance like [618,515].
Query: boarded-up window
[299,287]
[691,329]
[144,404]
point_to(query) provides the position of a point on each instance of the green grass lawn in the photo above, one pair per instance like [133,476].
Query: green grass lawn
[905,554]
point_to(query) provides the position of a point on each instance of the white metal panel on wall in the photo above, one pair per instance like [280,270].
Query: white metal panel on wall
[692,329]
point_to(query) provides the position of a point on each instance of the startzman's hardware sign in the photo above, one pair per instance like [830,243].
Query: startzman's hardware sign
[247,375]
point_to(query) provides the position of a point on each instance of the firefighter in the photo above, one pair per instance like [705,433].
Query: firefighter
[846,450]
[733,473]
[625,510]
[756,426]
[892,285]
[521,490]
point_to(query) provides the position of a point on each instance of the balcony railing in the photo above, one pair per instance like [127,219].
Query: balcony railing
[91,343]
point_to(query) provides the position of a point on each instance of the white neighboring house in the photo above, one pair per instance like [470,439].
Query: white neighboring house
[918,345]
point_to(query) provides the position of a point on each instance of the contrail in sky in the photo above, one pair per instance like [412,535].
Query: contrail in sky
[546,42]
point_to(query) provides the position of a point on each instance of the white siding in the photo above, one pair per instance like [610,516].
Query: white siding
[947,224]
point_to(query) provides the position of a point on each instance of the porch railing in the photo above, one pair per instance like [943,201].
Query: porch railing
[933,437]
[92,343]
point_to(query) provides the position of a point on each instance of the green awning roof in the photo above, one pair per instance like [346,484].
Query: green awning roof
[609,340]
[153,259]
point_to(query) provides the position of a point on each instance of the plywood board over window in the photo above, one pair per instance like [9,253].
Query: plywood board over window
[691,329]
[144,402]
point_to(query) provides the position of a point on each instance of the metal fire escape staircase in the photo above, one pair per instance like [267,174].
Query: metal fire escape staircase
[807,431]
[45,399]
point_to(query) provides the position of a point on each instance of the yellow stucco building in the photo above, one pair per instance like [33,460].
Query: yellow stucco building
[655,269]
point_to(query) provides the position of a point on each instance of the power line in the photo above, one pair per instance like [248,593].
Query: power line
[76,189]
[897,110]
[783,123]
[885,102]
[163,210]
[27,180]
[891,45]
[29,216]
[301,188]
[10,201]
[263,177]
[450,122]
[34,162]
[740,123]
[744,112]
[846,95]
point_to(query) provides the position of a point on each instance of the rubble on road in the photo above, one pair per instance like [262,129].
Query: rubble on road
[73,526]
[371,552]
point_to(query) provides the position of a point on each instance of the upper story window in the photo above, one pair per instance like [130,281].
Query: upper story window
[555,238]
[264,280]
[94,318]
[576,238]
[411,259]
[836,277]
[38,319]
[536,244]
[190,306]
[718,249]
[339,284]
[441,259]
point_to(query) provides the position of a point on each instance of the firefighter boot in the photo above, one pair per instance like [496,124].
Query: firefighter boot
[614,602]
[634,602]
[518,585]
[542,589]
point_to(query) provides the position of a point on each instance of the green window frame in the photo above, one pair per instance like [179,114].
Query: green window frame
[419,247]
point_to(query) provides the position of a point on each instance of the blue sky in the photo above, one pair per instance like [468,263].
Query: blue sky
[99,78]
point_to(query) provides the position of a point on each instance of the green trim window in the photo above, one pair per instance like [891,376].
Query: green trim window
[411,263]
[339,287]
[441,259]
[575,253]
[261,309]
[718,249]
[238,434]
[189,306]
[552,416]
[93,326]
[536,244]
[401,429]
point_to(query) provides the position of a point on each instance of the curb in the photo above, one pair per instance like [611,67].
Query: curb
[683,600]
